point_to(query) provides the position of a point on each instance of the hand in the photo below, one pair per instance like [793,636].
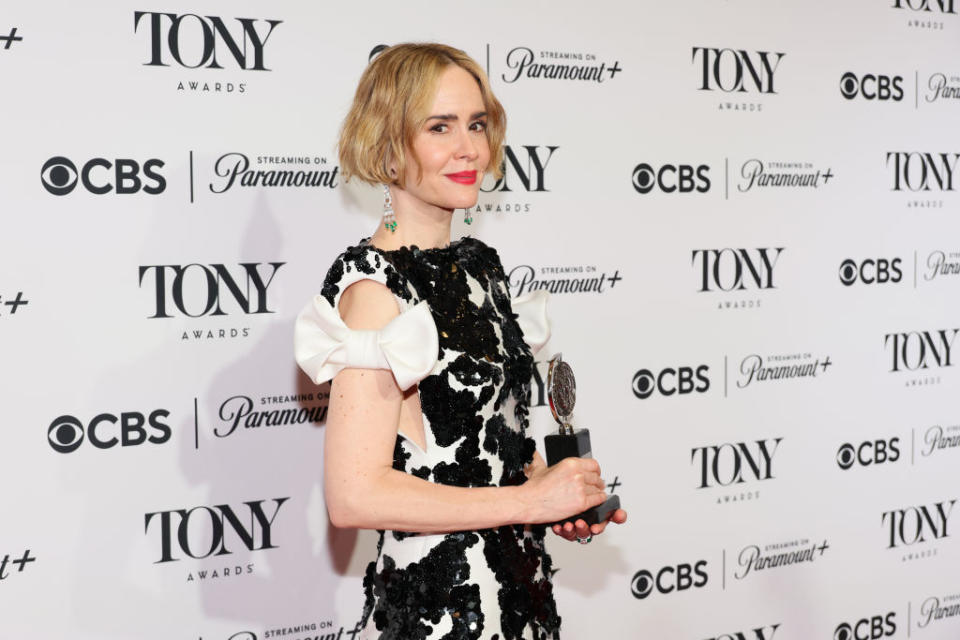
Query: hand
[579,529]
[567,488]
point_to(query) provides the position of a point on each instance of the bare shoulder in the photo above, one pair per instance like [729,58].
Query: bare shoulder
[367,304]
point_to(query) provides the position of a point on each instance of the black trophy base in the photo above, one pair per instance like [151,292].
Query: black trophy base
[599,513]
[562,445]
[559,446]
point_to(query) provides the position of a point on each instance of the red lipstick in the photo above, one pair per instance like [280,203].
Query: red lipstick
[464,177]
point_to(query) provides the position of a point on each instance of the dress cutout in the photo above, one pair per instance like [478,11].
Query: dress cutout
[491,584]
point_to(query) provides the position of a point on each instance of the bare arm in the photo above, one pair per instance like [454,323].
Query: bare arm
[364,491]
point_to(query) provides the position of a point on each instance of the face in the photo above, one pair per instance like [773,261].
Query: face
[451,147]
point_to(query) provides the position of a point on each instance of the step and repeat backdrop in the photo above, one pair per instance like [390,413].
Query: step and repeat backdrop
[746,213]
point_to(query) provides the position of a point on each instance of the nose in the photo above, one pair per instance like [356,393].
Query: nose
[466,146]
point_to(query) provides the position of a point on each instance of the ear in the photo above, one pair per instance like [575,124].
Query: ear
[390,166]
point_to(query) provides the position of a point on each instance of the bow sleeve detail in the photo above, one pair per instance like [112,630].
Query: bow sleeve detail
[531,310]
[323,345]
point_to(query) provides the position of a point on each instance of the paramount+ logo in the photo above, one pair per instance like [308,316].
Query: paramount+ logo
[671,178]
[871,87]
[872,628]
[60,176]
[107,430]
[671,381]
[669,579]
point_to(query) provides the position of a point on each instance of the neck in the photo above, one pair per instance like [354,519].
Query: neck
[418,223]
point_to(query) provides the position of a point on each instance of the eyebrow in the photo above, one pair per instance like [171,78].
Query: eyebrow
[451,116]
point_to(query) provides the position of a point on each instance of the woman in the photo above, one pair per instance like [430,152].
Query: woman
[428,406]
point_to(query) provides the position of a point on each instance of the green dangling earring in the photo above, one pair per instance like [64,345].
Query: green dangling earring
[389,219]
[467,216]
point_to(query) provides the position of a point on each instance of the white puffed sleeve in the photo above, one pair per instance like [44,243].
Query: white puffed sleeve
[323,345]
[531,310]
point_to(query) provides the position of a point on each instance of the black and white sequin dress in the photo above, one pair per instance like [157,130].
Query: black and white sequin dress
[493,583]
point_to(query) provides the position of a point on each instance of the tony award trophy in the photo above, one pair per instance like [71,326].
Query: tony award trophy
[562,394]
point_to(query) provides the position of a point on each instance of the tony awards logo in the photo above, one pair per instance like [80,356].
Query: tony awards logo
[570,442]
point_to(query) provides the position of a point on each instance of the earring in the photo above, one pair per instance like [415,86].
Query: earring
[389,220]
[467,216]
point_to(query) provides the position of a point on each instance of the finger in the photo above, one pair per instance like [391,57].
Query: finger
[589,464]
[583,531]
[598,481]
[593,479]
[595,498]
[597,529]
[619,516]
[563,533]
[556,529]
[567,527]
[594,488]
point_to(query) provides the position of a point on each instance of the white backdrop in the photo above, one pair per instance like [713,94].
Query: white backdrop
[145,330]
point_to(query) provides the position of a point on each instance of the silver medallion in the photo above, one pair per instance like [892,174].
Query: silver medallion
[561,392]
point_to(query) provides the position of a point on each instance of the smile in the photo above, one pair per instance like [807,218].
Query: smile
[464,177]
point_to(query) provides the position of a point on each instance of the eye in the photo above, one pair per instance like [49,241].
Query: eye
[439,128]
[479,125]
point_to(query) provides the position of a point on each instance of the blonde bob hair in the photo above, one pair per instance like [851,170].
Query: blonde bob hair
[391,106]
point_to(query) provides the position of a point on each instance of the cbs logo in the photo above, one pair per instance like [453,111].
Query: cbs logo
[867,628]
[871,87]
[66,433]
[867,453]
[682,178]
[870,271]
[669,579]
[60,176]
[682,380]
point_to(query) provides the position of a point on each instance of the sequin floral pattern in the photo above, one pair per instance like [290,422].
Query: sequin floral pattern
[492,584]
